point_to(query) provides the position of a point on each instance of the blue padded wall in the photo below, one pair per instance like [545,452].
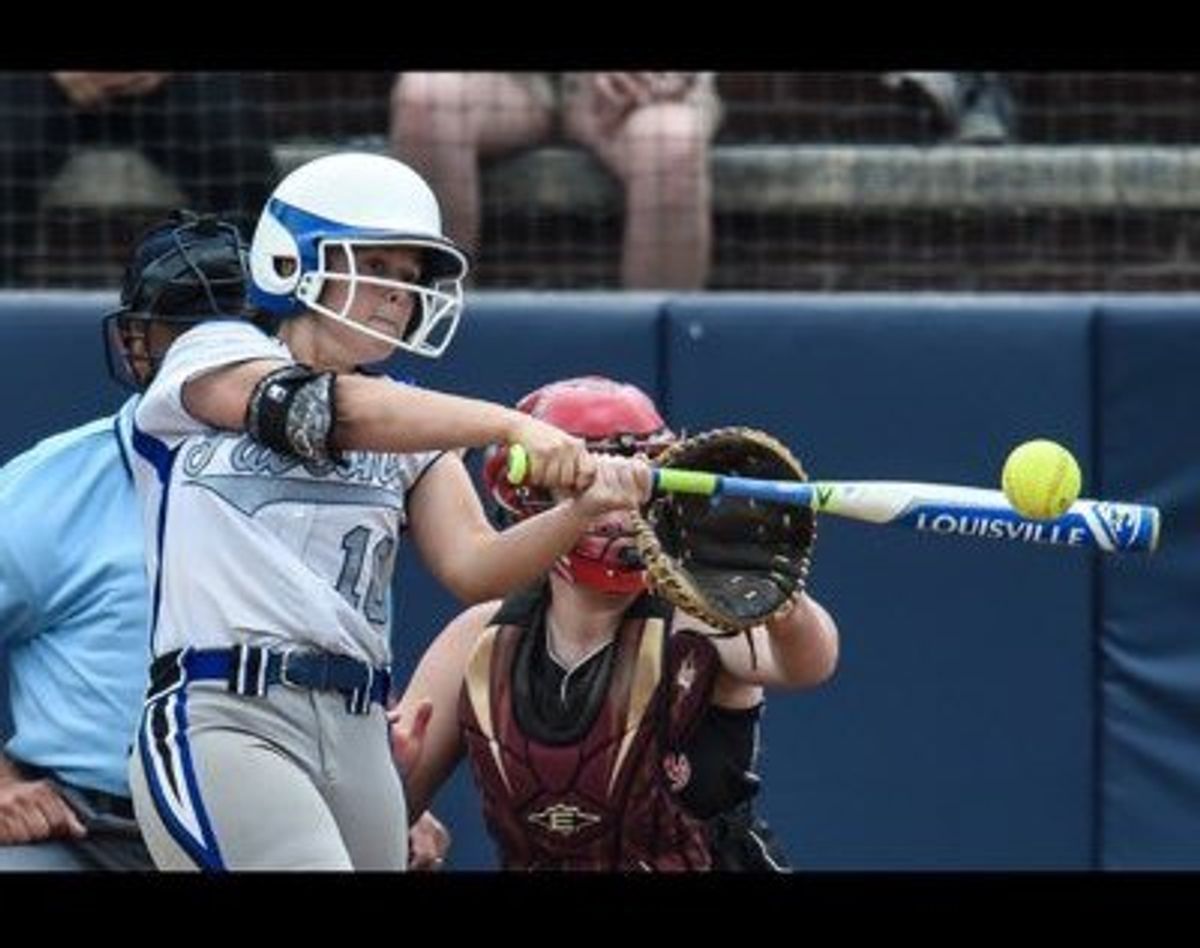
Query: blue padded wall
[997,706]
[1148,356]
[958,730]
[52,365]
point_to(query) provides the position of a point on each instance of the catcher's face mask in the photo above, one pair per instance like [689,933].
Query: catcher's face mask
[185,270]
[606,559]
[613,418]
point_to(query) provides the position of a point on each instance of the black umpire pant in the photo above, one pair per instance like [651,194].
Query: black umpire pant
[113,842]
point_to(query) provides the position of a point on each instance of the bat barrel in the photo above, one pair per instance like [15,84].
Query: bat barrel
[940,508]
[1103,525]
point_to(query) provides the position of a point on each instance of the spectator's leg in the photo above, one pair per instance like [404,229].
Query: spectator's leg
[36,132]
[661,154]
[444,123]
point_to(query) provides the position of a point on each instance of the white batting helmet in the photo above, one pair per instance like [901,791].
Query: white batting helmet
[350,200]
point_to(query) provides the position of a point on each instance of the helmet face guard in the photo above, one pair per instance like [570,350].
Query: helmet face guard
[184,271]
[437,306]
[351,201]
[613,418]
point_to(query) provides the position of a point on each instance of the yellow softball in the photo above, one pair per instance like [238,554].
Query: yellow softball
[1041,479]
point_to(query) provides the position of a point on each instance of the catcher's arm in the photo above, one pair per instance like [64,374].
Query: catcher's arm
[797,648]
[437,681]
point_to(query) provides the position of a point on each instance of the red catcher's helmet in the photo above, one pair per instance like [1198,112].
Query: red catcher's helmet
[613,418]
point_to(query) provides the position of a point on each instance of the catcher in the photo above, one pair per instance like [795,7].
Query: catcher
[610,727]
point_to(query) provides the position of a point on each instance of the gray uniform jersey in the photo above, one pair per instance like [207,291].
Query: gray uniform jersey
[248,546]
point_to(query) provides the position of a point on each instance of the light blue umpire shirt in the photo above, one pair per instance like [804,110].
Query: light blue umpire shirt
[73,602]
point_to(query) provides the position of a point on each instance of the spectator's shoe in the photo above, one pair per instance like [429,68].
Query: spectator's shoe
[971,108]
[938,91]
[986,111]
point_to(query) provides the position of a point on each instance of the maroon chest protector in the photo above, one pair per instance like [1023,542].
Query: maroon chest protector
[602,797]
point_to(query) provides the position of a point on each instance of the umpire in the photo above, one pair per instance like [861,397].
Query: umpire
[73,596]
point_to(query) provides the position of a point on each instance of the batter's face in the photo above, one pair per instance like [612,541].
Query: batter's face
[386,309]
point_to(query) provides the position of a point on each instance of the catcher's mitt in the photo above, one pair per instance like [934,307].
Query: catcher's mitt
[731,561]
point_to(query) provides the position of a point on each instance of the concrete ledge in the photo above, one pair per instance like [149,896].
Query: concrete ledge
[1014,176]
[760,179]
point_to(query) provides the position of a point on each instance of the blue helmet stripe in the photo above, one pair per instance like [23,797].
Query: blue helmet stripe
[308,229]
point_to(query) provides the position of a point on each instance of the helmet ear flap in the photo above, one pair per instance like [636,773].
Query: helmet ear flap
[275,265]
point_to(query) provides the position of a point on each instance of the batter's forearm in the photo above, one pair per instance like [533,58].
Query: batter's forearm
[378,415]
[506,561]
